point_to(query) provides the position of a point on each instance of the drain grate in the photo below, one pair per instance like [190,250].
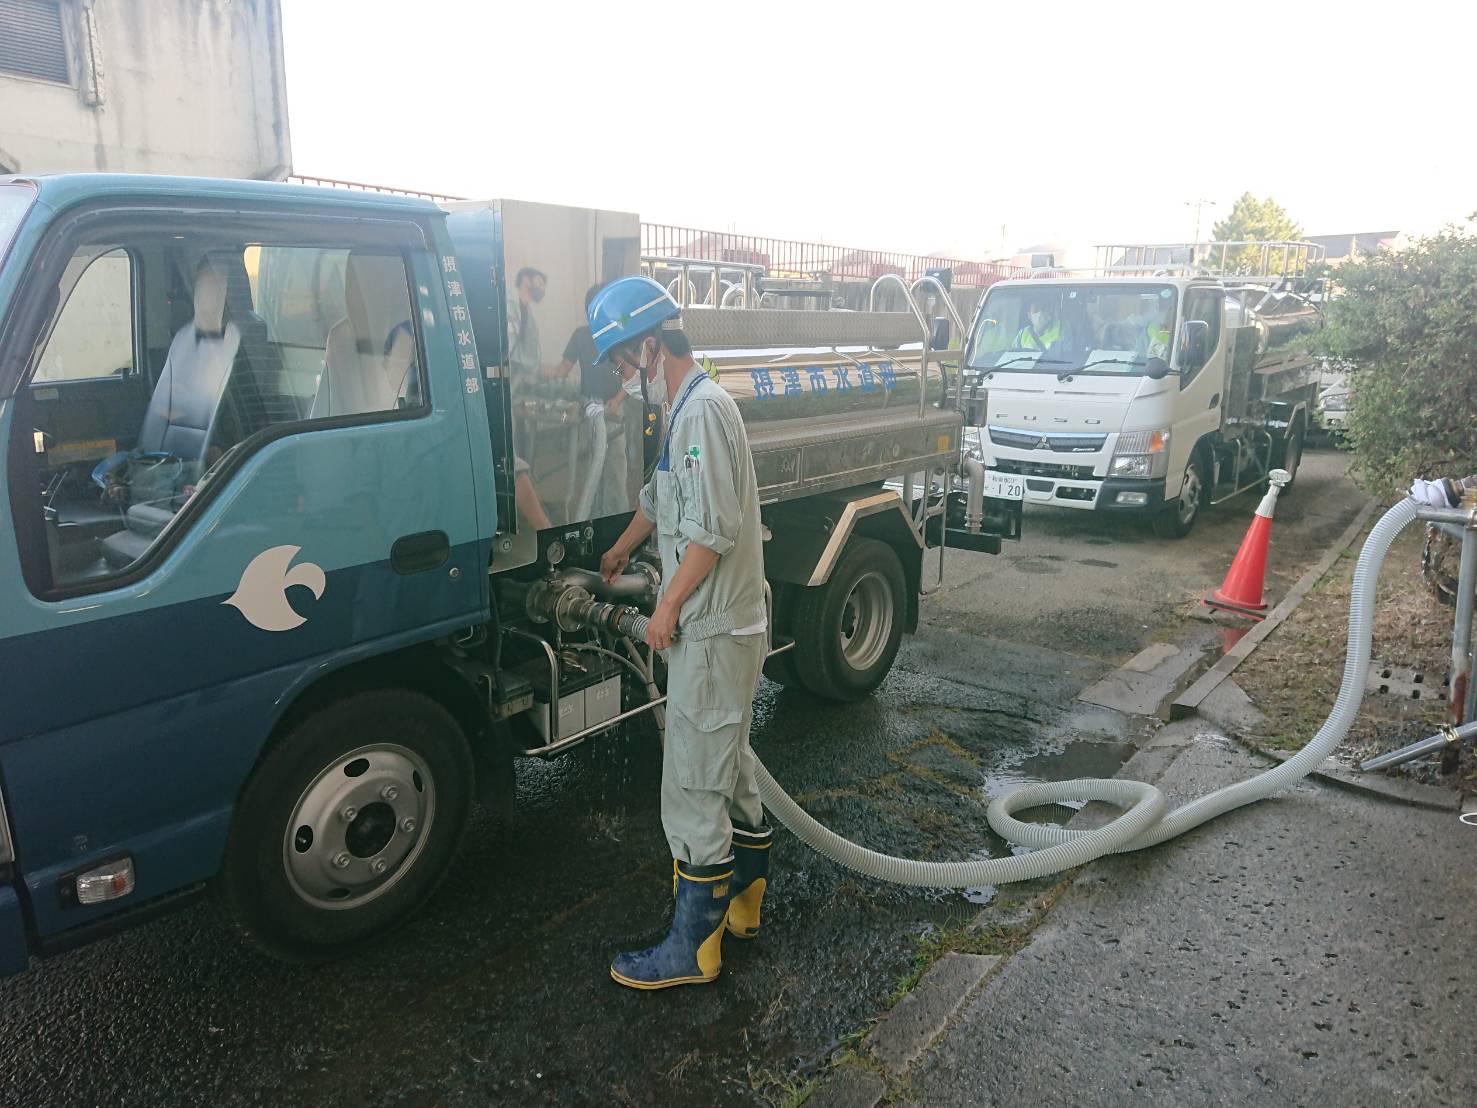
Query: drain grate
[1403,683]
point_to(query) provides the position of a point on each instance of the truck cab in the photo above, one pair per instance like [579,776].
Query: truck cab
[241,463]
[1151,395]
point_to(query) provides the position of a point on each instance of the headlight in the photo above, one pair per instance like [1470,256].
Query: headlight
[1130,465]
[1141,454]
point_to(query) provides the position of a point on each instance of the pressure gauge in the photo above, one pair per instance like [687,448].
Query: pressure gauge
[555,553]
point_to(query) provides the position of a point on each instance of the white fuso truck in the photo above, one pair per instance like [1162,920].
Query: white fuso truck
[1172,378]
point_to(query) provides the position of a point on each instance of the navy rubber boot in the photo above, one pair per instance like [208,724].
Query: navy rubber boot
[750,878]
[692,952]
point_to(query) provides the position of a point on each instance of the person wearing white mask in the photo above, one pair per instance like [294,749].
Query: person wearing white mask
[703,504]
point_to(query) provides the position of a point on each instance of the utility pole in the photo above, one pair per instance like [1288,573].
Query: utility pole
[1197,205]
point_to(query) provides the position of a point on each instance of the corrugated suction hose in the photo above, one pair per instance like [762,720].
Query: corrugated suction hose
[1144,823]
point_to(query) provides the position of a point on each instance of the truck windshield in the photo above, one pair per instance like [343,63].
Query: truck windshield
[14,200]
[1060,327]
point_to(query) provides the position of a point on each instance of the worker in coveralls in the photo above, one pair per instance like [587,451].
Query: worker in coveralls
[703,503]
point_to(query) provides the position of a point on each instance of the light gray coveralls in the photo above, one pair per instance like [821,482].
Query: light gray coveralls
[709,495]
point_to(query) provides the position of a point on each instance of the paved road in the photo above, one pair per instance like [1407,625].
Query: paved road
[498,992]
[1105,587]
[1313,949]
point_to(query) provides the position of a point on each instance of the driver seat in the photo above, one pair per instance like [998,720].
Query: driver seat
[181,413]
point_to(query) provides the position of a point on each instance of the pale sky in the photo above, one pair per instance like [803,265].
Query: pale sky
[912,127]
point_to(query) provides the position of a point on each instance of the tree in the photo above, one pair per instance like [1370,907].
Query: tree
[1407,322]
[1253,220]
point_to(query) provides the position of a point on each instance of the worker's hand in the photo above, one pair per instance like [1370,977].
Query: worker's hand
[613,405]
[613,562]
[663,624]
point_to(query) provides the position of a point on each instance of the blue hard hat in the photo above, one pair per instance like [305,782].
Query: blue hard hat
[626,308]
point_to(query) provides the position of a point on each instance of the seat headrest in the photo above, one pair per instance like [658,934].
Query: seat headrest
[210,300]
[377,298]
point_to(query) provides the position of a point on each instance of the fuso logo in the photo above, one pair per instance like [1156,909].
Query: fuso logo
[262,594]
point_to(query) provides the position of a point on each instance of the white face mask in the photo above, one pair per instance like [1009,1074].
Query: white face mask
[656,386]
[1038,320]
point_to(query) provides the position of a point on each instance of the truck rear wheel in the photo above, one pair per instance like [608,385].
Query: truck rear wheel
[1177,518]
[847,631]
[347,826]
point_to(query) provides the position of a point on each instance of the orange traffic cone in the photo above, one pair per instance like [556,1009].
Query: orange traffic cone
[1241,591]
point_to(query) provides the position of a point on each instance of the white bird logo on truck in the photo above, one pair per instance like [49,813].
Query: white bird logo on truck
[262,594]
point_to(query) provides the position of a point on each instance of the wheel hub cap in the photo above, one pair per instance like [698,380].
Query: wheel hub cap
[866,622]
[359,826]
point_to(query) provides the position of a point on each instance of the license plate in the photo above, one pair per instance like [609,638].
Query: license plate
[1004,486]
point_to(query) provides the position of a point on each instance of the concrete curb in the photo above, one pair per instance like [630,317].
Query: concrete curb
[916,1021]
[1141,685]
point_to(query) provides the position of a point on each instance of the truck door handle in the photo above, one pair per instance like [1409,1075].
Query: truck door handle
[420,552]
[1214,400]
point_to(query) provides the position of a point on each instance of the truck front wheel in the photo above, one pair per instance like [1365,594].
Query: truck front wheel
[1177,518]
[847,631]
[348,824]
[1292,451]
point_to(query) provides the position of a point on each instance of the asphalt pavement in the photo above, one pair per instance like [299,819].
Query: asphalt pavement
[498,991]
[1106,586]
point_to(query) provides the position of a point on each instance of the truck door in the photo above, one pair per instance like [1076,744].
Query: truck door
[1201,390]
[238,458]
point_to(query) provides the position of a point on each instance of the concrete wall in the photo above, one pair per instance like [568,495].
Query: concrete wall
[157,86]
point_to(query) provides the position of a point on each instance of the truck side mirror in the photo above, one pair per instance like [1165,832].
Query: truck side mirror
[941,333]
[1193,347]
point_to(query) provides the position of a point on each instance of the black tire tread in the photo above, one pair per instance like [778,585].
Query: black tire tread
[817,612]
[253,906]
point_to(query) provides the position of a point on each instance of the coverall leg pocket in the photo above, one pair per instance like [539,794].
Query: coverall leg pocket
[705,747]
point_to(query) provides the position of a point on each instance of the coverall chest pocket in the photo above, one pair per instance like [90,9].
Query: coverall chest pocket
[668,502]
[702,731]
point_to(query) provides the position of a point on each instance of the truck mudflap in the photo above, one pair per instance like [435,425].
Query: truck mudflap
[14,955]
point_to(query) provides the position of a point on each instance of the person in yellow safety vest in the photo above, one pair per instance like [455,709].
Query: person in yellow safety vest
[1041,330]
[1155,341]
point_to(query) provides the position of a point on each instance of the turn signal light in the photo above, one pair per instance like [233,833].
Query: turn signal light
[109,881]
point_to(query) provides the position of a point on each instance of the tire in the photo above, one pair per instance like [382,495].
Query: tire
[781,669]
[1177,518]
[847,631]
[305,884]
[1292,452]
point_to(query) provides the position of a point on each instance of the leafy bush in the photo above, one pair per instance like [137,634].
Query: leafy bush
[1407,320]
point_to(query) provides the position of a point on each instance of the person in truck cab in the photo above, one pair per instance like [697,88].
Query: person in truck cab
[703,503]
[1149,327]
[1042,327]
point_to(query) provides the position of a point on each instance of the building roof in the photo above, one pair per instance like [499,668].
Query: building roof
[1339,247]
